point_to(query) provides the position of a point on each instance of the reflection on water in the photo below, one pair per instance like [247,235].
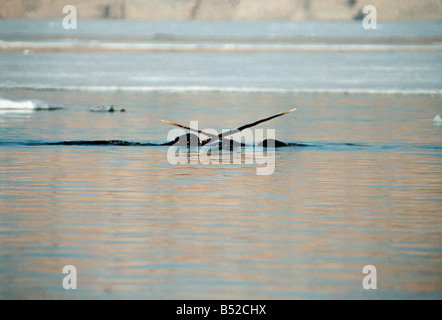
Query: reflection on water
[137,227]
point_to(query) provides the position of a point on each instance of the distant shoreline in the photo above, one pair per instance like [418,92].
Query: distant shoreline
[236,10]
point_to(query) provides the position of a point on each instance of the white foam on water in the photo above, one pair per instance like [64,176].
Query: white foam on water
[19,105]
[437,121]
[24,106]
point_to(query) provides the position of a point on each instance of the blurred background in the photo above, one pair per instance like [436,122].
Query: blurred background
[224,9]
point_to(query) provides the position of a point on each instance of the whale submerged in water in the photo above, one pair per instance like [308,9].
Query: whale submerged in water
[193,140]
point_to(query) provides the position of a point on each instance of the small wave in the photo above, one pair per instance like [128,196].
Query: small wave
[114,143]
[437,121]
[297,144]
[221,89]
[125,143]
[317,145]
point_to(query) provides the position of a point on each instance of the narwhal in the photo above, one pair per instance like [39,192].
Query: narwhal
[193,140]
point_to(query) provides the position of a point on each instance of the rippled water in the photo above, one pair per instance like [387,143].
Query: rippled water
[365,189]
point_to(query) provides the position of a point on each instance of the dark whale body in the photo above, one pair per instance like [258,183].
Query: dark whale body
[192,140]
[272,143]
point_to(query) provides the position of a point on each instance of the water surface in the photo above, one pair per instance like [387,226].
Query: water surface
[366,190]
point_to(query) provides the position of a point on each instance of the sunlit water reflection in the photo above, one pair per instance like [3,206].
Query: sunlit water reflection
[366,190]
